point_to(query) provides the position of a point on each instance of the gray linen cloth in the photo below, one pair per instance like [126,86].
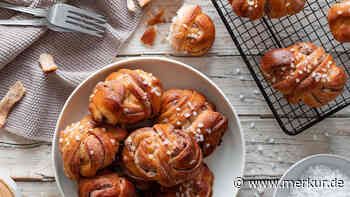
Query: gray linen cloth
[78,55]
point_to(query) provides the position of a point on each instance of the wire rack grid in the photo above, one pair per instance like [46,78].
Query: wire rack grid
[254,38]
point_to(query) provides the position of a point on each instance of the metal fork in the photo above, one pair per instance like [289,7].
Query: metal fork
[62,17]
[70,17]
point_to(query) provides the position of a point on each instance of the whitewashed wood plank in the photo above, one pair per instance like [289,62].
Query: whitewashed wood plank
[271,152]
[264,156]
[38,189]
[27,162]
[50,189]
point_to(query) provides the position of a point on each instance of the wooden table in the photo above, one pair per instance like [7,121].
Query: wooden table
[269,151]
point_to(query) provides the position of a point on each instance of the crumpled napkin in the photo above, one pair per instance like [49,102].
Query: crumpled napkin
[77,54]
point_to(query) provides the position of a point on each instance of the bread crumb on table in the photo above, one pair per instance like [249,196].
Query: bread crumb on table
[131,5]
[47,63]
[157,18]
[14,95]
[143,3]
[149,36]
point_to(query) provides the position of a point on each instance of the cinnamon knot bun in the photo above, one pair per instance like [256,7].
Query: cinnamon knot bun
[106,184]
[304,72]
[86,148]
[200,186]
[192,31]
[190,111]
[126,96]
[338,20]
[163,154]
[256,9]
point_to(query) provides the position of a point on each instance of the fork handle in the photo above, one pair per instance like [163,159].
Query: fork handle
[25,22]
[33,11]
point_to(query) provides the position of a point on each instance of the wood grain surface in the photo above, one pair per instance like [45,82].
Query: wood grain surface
[269,151]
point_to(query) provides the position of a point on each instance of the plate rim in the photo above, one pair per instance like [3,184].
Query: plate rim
[130,59]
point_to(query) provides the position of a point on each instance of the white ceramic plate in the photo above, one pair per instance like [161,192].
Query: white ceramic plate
[227,162]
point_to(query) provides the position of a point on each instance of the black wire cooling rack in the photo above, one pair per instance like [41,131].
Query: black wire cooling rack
[254,38]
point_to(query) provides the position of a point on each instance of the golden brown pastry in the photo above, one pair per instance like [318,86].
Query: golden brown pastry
[189,110]
[338,20]
[106,184]
[200,186]
[86,148]
[192,31]
[256,9]
[163,154]
[304,72]
[126,96]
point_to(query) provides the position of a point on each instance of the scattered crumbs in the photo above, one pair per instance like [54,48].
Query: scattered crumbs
[256,92]
[268,140]
[252,125]
[241,97]
[260,148]
[149,36]
[47,63]
[131,5]
[14,95]
[157,18]
[143,3]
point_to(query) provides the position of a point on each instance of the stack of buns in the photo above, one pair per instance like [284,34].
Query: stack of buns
[338,15]
[303,71]
[165,159]
[256,9]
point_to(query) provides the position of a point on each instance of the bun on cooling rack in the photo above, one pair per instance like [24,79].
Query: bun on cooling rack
[86,148]
[338,17]
[304,72]
[106,184]
[256,9]
[192,31]
[163,154]
[126,96]
[200,186]
[190,111]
